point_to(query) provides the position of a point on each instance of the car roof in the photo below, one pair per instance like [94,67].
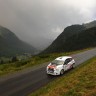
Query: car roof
[63,58]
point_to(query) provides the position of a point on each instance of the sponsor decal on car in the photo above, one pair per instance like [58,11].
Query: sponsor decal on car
[52,66]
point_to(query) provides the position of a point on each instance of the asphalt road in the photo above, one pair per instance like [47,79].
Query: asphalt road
[24,82]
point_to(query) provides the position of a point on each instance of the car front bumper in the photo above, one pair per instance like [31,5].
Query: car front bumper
[53,73]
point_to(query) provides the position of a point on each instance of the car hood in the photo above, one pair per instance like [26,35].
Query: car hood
[53,66]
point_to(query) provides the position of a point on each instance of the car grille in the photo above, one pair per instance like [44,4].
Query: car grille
[51,70]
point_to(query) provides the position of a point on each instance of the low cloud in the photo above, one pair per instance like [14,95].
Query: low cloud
[38,22]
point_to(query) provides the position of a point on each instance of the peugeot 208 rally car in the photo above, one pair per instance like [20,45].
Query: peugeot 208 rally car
[60,65]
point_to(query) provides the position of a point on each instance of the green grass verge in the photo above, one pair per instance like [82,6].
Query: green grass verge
[79,82]
[34,61]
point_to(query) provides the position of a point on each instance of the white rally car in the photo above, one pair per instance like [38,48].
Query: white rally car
[60,65]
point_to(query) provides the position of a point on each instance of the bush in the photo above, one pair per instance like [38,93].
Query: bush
[1,62]
[14,59]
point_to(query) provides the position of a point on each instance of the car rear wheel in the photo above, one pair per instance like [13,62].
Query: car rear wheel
[62,72]
[72,67]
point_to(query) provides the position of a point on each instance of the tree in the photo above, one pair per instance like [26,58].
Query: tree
[14,59]
[2,62]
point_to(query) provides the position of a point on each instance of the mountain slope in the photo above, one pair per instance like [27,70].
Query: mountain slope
[81,38]
[69,31]
[11,45]
[85,39]
[61,39]
[90,24]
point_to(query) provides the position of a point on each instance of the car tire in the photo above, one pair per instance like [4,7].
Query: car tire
[62,72]
[73,66]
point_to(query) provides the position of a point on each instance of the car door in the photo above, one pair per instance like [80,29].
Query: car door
[67,64]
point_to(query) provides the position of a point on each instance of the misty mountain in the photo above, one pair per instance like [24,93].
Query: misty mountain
[90,24]
[11,45]
[73,38]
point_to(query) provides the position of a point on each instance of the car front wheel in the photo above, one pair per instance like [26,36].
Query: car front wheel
[62,72]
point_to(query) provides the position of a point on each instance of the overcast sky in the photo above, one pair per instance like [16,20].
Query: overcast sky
[41,21]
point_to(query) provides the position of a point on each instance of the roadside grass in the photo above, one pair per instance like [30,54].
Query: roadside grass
[78,82]
[34,61]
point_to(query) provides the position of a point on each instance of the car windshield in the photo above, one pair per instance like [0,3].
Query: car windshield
[57,62]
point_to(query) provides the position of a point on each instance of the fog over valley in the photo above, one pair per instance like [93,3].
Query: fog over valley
[39,22]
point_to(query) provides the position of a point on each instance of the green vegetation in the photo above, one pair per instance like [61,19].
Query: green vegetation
[34,61]
[78,82]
